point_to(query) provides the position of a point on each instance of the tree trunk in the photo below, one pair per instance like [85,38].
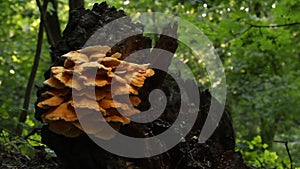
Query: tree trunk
[53,22]
[81,152]
[75,4]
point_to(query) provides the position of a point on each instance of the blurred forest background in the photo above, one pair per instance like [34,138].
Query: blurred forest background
[257,41]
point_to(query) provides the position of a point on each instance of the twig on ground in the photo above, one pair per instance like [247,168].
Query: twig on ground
[32,132]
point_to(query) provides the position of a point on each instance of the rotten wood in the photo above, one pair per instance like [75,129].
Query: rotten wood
[81,152]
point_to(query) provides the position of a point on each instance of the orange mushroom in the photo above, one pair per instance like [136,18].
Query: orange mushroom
[62,112]
[106,103]
[50,102]
[91,72]
[52,82]
[95,49]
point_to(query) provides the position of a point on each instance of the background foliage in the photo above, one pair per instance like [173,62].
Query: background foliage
[257,41]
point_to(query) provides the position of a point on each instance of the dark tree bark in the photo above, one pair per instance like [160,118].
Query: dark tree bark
[81,152]
[54,32]
[51,24]
[75,4]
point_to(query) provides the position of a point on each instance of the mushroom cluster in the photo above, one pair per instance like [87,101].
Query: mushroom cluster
[85,83]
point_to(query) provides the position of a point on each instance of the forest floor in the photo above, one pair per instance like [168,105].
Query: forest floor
[16,160]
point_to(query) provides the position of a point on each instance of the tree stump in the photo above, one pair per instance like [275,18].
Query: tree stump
[82,152]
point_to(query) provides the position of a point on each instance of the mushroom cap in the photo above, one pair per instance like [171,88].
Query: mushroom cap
[84,102]
[95,49]
[92,68]
[127,113]
[53,82]
[62,112]
[50,102]
[69,80]
[135,101]
[74,58]
[98,81]
[128,66]
[97,93]
[96,56]
[109,62]
[115,118]
[56,92]
[116,55]
[107,103]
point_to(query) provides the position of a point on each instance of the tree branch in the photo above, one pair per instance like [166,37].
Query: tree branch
[288,151]
[75,4]
[26,102]
[260,26]
[45,23]
[274,25]
[53,32]
[32,132]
